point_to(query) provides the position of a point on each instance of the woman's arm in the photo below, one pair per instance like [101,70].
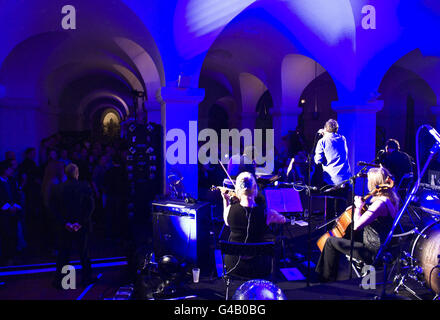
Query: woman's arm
[363,220]
[226,207]
[272,216]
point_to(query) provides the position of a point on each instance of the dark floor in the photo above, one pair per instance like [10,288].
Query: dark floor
[31,280]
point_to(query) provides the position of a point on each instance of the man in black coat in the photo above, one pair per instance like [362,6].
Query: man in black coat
[9,213]
[73,204]
[396,161]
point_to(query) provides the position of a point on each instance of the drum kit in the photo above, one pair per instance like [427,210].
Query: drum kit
[420,262]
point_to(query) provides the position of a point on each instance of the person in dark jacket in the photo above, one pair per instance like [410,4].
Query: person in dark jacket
[9,213]
[396,161]
[72,203]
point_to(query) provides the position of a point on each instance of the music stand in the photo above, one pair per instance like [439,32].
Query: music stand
[285,201]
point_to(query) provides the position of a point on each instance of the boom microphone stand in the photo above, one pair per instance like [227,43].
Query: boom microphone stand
[353,183]
[308,188]
[410,198]
[350,181]
[309,194]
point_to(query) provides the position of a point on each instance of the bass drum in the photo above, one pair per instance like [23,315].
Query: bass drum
[425,250]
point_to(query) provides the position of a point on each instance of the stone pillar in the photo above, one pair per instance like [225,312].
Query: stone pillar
[180,110]
[357,122]
[154,111]
[284,120]
[23,124]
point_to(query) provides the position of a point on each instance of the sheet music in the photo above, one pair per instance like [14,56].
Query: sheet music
[275,200]
[283,200]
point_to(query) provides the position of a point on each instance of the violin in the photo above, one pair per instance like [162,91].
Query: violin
[224,190]
[344,220]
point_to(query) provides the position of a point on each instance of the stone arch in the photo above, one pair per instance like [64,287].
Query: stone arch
[408,101]
[251,89]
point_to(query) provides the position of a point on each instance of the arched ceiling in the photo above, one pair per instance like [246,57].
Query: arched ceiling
[149,43]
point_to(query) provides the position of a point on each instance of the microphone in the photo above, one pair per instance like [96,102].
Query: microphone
[433,132]
[321,132]
[283,184]
[366,164]
[336,187]
[291,184]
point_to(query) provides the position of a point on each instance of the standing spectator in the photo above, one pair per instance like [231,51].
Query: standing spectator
[64,157]
[54,175]
[116,191]
[73,204]
[30,179]
[9,213]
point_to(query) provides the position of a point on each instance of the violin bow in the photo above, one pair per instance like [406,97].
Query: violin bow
[229,177]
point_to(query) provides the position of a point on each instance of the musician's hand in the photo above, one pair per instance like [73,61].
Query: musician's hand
[225,194]
[69,227]
[321,131]
[358,202]
[76,226]
[274,217]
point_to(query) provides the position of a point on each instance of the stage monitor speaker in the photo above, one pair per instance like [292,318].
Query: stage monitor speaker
[183,230]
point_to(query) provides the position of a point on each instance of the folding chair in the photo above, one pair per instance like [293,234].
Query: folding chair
[245,249]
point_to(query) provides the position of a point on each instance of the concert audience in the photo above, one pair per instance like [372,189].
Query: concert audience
[10,211]
[30,184]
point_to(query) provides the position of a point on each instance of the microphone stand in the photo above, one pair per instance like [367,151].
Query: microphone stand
[410,198]
[309,195]
[353,183]
[308,189]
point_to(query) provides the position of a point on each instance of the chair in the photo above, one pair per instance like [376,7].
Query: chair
[246,249]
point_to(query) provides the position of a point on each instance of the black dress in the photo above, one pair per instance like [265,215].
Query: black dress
[365,249]
[248,225]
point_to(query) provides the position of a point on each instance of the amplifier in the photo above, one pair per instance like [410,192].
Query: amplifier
[183,230]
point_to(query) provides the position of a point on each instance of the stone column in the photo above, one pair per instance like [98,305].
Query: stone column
[284,120]
[180,115]
[23,124]
[357,122]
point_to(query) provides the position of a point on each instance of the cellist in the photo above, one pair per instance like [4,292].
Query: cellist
[375,224]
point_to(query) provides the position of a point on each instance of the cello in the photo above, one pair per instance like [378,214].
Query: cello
[345,219]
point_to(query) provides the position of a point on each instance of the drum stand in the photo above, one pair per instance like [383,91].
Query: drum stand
[402,279]
[410,197]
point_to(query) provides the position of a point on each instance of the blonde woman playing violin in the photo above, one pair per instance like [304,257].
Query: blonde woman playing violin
[371,227]
[248,222]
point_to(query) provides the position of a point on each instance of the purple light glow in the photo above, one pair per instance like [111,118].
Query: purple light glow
[197,23]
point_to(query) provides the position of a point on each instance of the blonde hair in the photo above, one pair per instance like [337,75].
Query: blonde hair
[245,184]
[377,177]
